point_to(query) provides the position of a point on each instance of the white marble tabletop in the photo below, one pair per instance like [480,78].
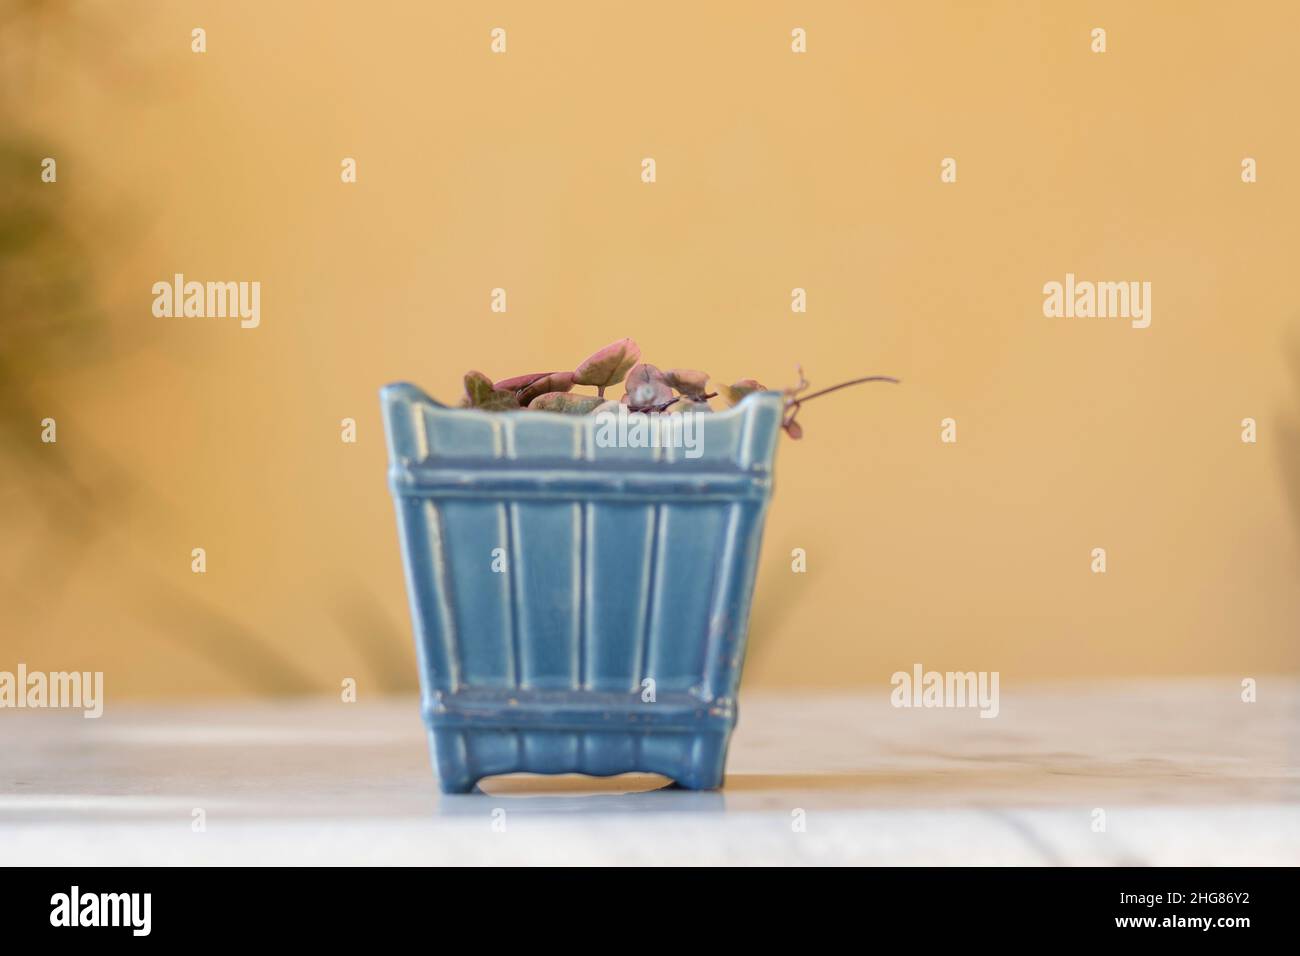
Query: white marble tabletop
[1182,772]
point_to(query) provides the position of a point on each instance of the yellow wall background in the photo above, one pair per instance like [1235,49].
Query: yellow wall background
[775,171]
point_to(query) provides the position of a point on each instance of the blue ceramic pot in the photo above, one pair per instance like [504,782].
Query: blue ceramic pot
[577,607]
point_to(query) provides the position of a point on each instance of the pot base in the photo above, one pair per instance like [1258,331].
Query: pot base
[464,757]
[476,734]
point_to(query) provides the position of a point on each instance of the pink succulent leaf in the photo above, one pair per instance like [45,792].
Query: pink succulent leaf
[608,366]
[520,381]
[550,382]
[646,386]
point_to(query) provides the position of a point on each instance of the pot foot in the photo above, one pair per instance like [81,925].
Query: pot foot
[692,761]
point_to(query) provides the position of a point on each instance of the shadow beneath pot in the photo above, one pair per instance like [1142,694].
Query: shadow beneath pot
[571,784]
[540,794]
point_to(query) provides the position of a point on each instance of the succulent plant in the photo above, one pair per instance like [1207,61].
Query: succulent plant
[646,388]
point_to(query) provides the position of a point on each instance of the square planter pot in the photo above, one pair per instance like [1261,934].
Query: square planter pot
[577,607]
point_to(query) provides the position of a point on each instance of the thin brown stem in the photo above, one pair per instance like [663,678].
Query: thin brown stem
[664,406]
[794,402]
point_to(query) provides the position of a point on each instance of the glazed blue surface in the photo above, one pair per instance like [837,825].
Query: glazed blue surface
[616,567]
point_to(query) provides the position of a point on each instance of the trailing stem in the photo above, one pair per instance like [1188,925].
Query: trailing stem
[794,400]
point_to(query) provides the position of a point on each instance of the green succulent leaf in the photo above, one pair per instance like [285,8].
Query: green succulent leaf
[735,392]
[500,402]
[478,387]
[566,402]
[480,393]
[688,404]
[608,366]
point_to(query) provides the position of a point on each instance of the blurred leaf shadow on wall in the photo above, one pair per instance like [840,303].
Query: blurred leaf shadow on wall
[74,490]
[378,640]
[1288,444]
[773,608]
[70,493]
[1288,451]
